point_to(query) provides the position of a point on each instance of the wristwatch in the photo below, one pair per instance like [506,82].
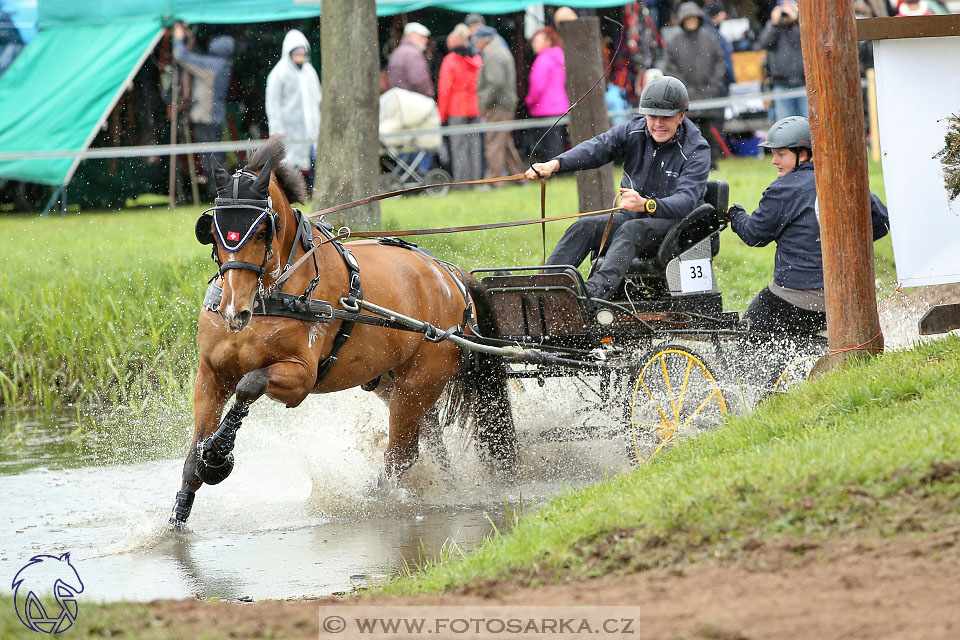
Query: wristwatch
[650,206]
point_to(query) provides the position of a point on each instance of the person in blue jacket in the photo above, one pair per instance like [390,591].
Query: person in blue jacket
[665,166]
[788,215]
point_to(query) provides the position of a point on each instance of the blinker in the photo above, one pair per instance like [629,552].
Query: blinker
[204,229]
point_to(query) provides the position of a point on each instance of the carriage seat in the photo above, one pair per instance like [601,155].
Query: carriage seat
[698,225]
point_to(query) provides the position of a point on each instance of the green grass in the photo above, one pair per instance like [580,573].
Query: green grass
[101,307]
[844,454]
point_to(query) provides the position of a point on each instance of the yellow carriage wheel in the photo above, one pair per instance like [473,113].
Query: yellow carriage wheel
[674,393]
[796,372]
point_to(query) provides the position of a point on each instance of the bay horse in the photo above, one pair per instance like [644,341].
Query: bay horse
[255,235]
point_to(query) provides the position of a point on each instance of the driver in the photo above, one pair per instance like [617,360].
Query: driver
[665,167]
[788,215]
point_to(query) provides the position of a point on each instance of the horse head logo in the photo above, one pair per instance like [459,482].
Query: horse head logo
[41,576]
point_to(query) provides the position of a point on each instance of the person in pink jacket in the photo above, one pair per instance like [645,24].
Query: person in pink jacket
[547,92]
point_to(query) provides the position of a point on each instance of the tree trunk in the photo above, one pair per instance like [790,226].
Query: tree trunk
[829,41]
[584,62]
[348,166]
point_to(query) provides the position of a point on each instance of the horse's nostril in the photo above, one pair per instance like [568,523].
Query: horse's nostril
[244,317]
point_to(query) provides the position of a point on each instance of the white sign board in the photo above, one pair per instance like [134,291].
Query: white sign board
[696,275]
[918,87]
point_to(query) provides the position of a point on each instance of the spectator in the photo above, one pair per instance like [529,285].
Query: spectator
[293,102]
[497,101]
[694,56]
[913,8]
[457,101]
[563,14]
[781,38]
[407,67]
[211,80]
[717,14]
[547,90]
[476,21]
[11,43]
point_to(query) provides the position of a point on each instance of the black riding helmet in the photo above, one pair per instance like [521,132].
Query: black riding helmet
[792,132]
[665,96]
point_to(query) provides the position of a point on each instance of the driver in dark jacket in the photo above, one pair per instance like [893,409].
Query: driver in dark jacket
[788,215]
[665,166]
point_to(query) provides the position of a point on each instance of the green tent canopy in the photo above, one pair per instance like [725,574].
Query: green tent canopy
[60,90]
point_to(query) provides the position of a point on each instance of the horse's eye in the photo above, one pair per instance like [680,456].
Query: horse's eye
[262,235]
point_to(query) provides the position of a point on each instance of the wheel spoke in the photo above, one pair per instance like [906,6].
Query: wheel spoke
[683,387]
[666,379]
[700,408]
[656,405]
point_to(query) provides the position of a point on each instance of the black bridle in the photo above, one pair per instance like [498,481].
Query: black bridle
[229,228]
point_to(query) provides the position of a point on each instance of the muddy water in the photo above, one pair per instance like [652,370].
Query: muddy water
[300,516]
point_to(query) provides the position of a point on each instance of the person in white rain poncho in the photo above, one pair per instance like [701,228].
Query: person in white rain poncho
[293,102]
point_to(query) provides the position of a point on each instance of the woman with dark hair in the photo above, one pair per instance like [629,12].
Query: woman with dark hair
[547,91]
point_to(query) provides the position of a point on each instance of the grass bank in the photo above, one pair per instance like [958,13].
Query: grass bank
[101,307]
[871,450]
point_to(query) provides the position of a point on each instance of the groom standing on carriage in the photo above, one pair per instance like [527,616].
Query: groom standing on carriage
[665,166]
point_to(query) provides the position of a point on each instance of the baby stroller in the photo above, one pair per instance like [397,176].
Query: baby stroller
[406,161]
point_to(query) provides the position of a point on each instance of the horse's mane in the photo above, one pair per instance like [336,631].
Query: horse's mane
[290,178]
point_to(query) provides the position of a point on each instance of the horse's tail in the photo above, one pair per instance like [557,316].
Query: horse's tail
[484,395]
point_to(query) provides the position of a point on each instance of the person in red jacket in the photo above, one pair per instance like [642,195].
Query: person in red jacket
[457,101]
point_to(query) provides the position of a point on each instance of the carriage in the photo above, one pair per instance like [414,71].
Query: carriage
[662,356]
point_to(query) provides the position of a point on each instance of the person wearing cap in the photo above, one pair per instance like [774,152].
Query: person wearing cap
[497,101]
[665,166]
[293,98]
[563,14]
[407,67]
[788,215]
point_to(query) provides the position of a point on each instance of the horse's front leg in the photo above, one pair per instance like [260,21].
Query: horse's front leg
[209,398]
[286,382]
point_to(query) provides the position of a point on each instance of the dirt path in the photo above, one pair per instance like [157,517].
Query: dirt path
[798,590]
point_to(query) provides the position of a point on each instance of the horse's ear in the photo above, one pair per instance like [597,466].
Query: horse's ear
[262,184]
[221,176]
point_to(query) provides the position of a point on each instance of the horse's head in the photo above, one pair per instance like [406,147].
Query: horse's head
[244,230]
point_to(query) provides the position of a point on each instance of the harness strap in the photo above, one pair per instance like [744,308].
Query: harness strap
[356,293]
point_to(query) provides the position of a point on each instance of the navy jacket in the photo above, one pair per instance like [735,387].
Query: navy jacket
[788,216]
[673,173]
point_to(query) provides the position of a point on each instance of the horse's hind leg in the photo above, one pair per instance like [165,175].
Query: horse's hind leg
[419,383]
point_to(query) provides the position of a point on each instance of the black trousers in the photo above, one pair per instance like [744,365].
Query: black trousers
[631,236]
[779,332]
[770,313]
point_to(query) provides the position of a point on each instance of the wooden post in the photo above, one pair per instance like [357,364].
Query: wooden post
[174,103]
[584,63]
[829,40]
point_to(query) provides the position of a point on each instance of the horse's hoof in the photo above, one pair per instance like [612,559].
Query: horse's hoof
[214,475]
